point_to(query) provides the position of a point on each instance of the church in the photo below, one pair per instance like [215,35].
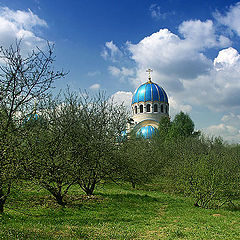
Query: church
[149,105]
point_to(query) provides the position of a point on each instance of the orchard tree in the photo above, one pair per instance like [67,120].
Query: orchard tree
[23,80]
[49,161]
[137,160]
[96,139]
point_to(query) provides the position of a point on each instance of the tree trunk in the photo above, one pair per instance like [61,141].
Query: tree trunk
[59,199]
[3,198]
[90,188]
[133,184]
[55,191]
[1,205]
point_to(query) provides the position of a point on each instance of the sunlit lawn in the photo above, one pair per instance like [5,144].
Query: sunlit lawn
[114,212]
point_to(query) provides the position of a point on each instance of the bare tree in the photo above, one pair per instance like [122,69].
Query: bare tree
[50,148]
[99,127]
[23,80]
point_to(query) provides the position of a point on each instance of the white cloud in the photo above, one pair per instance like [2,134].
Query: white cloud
[122,97]
[231,18]
[227,58]
[176,107]
[114,70]
[200,34]
[227,132]
[219,90]
[95,86]
[228,129]
[20,25]
[231,119]
[122,72]
[111,52]
[166,53]
[182,69]
[23,19]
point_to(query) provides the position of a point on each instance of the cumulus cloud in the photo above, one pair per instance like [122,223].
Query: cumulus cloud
[199,35]
[20,25]
[219,90]
[111,52]
[175,57]
[122,97]
[227,58]
[95,86]
[230,18]
[166,53]
[23,19]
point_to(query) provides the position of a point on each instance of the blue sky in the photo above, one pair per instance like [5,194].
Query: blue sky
[192,46]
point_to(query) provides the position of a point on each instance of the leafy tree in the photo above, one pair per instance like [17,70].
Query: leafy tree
[204,169]
[164,128]
[182,126]
[23,79]
[137,162]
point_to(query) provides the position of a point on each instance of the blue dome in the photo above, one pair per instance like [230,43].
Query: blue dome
[123,136]
[147,131]
[149,92]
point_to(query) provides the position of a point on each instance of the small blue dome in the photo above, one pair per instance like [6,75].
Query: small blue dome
[149,92]
[147,131]
[123,136]
[31,117]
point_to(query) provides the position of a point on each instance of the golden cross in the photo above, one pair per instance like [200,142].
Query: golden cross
[149,72]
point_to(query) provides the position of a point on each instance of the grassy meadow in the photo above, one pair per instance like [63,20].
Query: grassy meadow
[114,212]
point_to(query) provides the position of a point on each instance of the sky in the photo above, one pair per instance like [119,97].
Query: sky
[193,48]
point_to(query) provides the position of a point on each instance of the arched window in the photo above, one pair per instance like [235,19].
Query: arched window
[148,107]
[135,109]
[155,108]
[162,108]
[166,109]
[141,108]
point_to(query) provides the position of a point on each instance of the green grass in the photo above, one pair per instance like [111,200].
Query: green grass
[114,212]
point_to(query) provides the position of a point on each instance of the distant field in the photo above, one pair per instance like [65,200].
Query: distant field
[114,212]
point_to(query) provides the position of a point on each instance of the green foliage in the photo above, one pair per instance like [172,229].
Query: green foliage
[164,128]
[135,160]
[182,126]
[204,169]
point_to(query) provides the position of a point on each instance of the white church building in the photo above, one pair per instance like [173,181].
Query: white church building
[149,105]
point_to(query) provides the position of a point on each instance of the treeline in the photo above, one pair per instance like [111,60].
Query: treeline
[76,139]
[181,160]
